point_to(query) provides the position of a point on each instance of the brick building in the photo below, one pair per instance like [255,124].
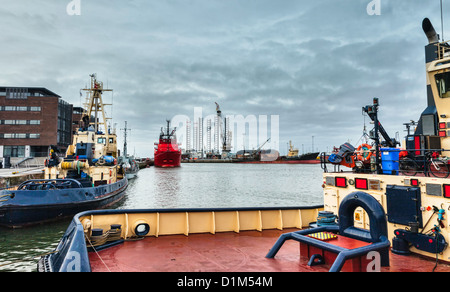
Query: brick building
[77,114]
[32,119]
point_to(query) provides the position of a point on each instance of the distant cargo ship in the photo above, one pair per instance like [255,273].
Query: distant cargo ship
[167,153]
[273,156]
[307,158]
[293,157]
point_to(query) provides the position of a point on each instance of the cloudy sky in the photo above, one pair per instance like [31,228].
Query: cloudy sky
[312,63]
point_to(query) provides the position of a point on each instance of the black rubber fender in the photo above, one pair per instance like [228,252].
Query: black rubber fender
[377,217]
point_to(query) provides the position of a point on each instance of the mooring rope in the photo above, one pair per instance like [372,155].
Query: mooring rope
[97,253]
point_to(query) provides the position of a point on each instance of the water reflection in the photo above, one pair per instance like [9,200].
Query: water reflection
[225,185]
[167,186]
[20,249]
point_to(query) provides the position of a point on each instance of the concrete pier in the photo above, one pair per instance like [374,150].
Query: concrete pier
[14,176]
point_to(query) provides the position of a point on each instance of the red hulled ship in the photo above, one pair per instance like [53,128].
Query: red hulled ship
[167,153]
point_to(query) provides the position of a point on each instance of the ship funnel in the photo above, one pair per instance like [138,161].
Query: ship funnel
[428,28]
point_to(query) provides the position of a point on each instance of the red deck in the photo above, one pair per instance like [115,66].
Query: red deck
[225,252]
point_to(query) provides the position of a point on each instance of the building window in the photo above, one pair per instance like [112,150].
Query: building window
[8,108]
[20,136]
[17,93]
[20,122]
[39,151]
[14,151]
[64,130]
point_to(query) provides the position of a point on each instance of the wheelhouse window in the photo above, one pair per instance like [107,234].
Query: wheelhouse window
[443,84]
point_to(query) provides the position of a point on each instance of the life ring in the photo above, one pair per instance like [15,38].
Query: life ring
[402,154]
[363,152]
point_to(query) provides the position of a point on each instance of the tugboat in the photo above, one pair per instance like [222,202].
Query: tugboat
[129,166]
[88,177]
[127,162]
[167,153]
[387,221]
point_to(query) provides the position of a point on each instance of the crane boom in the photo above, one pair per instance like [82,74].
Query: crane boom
[259,148]
[372,111]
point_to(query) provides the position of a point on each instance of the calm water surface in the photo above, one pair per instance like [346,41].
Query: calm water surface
[202,185]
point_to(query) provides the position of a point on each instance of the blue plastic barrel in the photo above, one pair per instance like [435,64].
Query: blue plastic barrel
[389,160]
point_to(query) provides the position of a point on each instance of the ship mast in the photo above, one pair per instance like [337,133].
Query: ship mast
[125,139]
[168,128]
[95,105]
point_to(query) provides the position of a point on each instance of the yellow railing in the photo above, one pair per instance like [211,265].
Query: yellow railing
[443,50]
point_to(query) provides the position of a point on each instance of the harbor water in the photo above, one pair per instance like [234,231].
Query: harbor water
[199,185]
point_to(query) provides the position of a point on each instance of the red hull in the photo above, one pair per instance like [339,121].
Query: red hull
[167,158]
[167,153]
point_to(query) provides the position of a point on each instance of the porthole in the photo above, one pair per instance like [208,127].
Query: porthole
[142,229]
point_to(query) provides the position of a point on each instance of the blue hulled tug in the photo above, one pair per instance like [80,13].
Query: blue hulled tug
[88,177]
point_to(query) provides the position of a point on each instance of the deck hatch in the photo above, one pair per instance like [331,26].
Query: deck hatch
[403,205]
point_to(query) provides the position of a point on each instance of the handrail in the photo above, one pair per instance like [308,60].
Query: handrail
[443,50]
[343,254]
[34,182]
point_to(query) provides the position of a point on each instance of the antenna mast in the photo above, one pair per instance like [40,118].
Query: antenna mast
[442,23]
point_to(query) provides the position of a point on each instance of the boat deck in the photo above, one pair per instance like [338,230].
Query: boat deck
[226,252]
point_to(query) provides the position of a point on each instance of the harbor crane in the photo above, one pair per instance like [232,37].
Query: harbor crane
[224,133]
